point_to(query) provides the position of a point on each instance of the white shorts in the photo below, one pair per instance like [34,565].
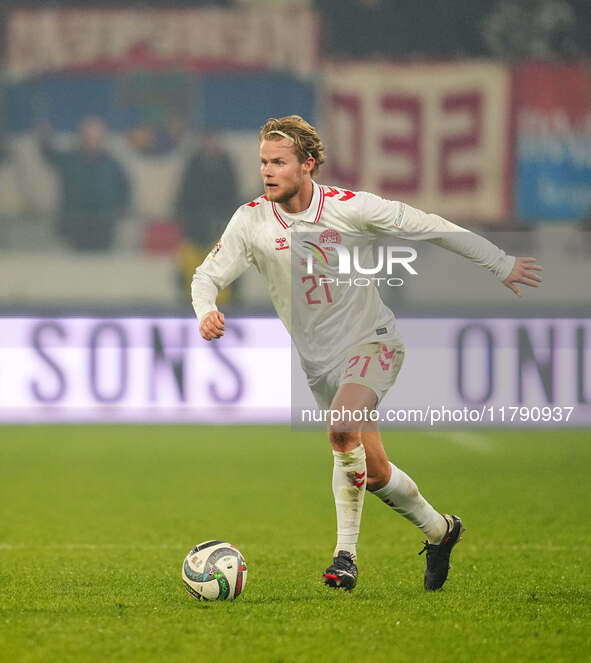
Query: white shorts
[374,365]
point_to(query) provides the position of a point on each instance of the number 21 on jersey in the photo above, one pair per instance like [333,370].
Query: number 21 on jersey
[313,297]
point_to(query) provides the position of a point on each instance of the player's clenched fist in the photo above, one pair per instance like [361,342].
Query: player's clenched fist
[212,325]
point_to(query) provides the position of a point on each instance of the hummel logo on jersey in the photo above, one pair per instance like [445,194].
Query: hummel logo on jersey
[282,244]
[343,194]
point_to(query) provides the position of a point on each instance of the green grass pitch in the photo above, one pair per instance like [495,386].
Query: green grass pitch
[96,520]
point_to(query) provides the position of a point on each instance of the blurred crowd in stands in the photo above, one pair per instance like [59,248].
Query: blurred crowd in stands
[97,184]
[95,196]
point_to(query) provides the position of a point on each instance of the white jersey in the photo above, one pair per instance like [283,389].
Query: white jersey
[321,309]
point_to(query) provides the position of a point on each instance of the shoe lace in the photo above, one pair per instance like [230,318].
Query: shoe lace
[432,557]
[432,547]
[343,562]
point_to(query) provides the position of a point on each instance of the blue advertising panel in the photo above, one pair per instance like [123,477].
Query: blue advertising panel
[553,172]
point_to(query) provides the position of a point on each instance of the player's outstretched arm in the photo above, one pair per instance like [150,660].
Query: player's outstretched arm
[415,224]
[524,271]
[212,325]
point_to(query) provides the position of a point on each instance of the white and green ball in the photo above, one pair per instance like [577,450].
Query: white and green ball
[214,571]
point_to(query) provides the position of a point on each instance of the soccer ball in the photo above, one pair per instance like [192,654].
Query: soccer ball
[214,571]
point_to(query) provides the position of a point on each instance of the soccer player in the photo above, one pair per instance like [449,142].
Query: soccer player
[347,340]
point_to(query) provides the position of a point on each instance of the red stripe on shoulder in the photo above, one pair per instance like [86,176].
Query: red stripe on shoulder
[333,191]
[257,202]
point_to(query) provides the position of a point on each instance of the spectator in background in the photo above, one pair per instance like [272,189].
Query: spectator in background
[207,197]
[94,188]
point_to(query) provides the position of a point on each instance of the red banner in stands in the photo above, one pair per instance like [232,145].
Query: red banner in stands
[263,38]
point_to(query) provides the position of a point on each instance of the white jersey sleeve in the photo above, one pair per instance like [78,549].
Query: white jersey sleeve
[229,258]
[380,215]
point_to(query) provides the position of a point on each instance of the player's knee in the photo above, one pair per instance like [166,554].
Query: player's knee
[342,440]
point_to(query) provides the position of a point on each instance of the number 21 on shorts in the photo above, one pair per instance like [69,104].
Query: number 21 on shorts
[357,366]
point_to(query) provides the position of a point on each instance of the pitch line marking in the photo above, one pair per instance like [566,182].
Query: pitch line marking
[167,546]
[475,441]
[92,546]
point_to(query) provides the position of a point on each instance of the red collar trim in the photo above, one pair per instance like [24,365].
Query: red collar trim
[318,211]
[320,205]
[278,216]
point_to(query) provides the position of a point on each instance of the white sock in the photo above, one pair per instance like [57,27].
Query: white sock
[402,495]
[349,478]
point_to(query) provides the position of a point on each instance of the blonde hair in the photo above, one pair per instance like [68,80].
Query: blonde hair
[303,135]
